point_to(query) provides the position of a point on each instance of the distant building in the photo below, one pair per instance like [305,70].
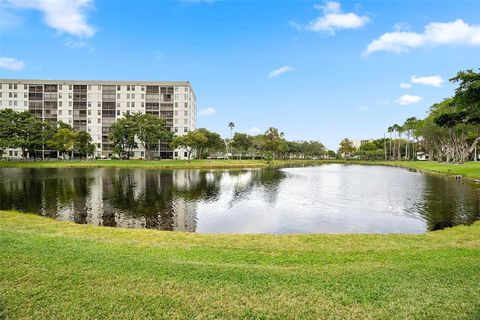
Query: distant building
[93,106]
[358,143]
[422,156]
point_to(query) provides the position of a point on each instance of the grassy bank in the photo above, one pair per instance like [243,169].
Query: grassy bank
[51,269]
[469,169]
[156,164]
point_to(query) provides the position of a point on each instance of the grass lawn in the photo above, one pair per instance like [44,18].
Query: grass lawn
[59,270]
[469,169]
[156,164]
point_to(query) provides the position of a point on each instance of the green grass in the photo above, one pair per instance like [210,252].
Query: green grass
[59,270]
[469,169]
[155,164]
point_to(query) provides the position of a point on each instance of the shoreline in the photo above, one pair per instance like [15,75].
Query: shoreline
[469,171]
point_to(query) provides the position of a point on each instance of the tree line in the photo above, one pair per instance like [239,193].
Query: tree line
[449,133]
[33,136]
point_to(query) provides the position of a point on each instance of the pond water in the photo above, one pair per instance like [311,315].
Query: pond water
[330,198]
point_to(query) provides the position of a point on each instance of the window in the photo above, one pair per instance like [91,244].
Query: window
[10,86]
[69,112]
[185,154]
[128,104]
[186,96]
[15,103]
[143,96]
[118,95]
[186,89]
[70,87]
[69,103]
[60,112]
[118,112]
[89,112]
[176,104]
[60,96]
[143,88]
[89,104]
[98,120]
[89,88]
[128,88]
[14,94]
[186,104]
[128,95]
[25,95]
[133,95]
[176,113]
[60,103]
[89,121]
[143,104]
[176,89]
[118,104]
[70,96]
[185,113]
[185,129]
[24,87]
[128,112]
[176,96]
[9,94]
[133,104]
[15,86]
[176,129]
[118,88]
[99,113]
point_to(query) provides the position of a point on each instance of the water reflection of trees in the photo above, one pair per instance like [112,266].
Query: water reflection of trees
[268,180]
[450,203]
[168,200]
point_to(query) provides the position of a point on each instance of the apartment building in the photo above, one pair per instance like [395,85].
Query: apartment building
[93,106]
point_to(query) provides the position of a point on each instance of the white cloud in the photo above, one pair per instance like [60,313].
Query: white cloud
[254,131]
[363,108]
[11,64]
[407,99]
[65,16]
[207,112]
[434,81]
[333,19]
[279,71]
[436,33]
[404,85]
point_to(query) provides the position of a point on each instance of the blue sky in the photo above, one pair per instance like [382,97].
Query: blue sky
[316,70]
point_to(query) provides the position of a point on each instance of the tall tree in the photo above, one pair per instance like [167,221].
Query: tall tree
[122,135]
[63,141]
[83,144]
[151,131]
[346,148]
[191,142]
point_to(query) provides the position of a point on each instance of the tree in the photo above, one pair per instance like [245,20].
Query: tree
[151,131]
[191,142]
[273,142]
[7,129]
[212,145]
[231,125]
[63,141]
[241,143]
[346,148]
[122,135]
[83,144]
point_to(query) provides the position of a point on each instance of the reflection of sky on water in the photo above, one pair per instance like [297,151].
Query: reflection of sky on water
[324,199]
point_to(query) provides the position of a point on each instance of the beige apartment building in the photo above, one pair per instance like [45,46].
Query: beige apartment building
[94,105]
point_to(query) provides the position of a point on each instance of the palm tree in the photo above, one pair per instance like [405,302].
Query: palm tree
[231,125]
[390,130]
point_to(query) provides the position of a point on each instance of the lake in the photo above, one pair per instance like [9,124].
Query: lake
[330,198]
